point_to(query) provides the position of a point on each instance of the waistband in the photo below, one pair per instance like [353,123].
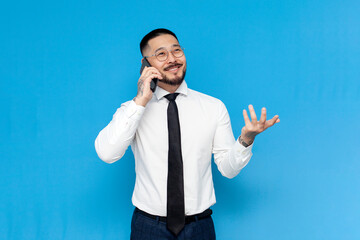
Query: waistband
[188,219]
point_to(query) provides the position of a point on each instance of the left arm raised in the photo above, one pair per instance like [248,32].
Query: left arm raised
[231,156]
[254,127]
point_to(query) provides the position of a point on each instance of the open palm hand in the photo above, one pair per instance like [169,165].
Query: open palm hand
[253,127]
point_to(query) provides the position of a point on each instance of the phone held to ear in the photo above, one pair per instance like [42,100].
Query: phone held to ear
[154,81]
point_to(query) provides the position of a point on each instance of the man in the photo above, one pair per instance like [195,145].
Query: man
[173,133]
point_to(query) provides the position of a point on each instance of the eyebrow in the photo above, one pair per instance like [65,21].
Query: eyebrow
[174,45]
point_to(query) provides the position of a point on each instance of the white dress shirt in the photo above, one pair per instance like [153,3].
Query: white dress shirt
[205,130]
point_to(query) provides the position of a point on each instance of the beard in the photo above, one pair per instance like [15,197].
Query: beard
[174,82]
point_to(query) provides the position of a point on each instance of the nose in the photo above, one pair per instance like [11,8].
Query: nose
[171,57]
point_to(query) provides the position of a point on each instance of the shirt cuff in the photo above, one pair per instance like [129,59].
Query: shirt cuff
[242,155]
[134,111]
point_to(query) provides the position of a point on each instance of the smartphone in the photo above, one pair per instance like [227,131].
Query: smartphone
[154,81]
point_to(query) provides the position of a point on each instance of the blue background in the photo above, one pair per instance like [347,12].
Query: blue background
[66,66]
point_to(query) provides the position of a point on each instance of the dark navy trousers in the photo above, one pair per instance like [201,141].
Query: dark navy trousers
[145,228]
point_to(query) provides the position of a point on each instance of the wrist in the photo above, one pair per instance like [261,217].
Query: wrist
[140,101]
[245,141]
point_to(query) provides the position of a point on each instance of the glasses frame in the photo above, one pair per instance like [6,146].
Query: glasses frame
[167,56]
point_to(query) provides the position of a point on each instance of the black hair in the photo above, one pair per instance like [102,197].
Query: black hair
[153,34]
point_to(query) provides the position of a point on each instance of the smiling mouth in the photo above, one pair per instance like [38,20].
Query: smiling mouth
[173,68]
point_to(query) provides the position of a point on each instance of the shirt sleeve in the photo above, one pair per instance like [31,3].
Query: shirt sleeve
[115,138]
[230,156]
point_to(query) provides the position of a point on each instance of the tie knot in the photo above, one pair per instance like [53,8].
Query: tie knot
[171,96]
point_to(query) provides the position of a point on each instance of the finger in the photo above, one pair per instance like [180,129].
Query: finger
[144,72]
[153,70]
[272,121]
[157,75]
[148,72]
[263,116]
[148,79]
[246,117]
[150,76]
[252,114]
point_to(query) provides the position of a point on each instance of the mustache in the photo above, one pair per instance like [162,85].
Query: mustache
[173,65]
[173,82]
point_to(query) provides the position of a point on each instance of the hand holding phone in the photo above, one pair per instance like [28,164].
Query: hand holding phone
[154,81]
[147,83]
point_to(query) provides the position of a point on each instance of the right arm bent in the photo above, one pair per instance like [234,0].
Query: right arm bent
[115,138]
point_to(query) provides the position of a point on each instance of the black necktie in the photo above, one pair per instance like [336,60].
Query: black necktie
[175,182]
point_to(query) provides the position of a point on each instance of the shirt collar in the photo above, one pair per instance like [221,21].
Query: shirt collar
[182,89]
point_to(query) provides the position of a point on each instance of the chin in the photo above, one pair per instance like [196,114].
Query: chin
[174,81]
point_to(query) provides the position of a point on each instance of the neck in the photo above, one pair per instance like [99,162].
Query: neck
[167,87]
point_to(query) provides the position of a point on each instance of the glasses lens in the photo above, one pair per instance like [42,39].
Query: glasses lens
[161,55]
[177,52]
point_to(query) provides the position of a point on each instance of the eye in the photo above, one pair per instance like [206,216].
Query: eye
[160,54]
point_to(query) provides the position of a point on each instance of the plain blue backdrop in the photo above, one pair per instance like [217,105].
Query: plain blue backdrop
[66,66]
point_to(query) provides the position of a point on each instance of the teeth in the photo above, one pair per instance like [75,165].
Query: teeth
[173,68]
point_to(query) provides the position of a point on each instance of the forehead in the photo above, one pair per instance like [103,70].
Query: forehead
[162,41]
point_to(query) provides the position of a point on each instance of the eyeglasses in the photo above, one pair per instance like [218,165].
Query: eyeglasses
[163,54]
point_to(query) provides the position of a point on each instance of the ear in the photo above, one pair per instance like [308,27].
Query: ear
[142,60]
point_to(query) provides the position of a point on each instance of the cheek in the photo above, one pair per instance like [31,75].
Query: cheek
[159,67]
[182,60]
